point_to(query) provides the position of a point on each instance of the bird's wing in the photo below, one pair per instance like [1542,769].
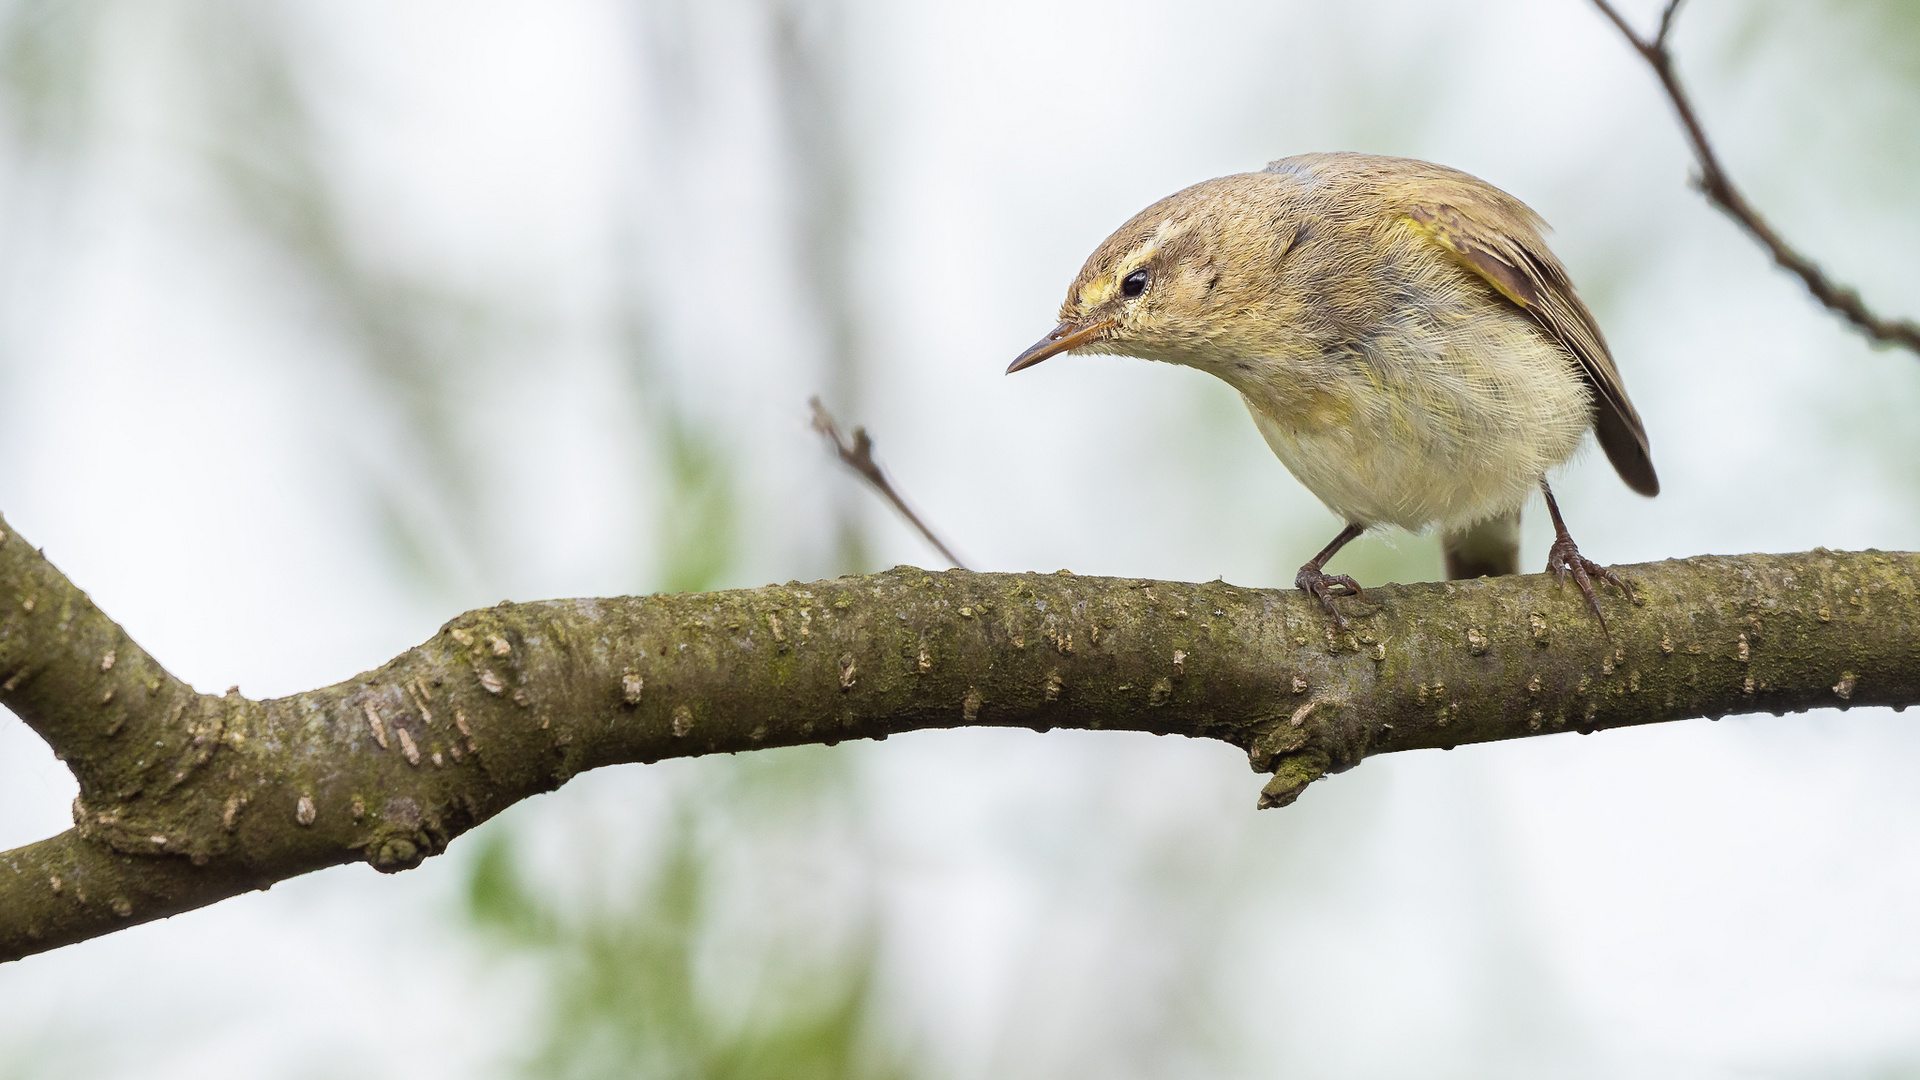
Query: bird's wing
[1518,265]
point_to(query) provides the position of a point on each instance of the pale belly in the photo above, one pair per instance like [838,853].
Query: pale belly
[1428,438]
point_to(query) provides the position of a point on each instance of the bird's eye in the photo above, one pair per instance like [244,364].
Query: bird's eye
[1134,284]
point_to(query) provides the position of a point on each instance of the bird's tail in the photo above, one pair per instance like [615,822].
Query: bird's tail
[1484,549]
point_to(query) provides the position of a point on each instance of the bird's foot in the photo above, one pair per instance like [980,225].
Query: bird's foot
[1564,557]
[1312,581]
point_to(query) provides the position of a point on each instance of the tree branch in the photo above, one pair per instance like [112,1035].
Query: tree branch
[190,798]
[1717,186]
[858,456]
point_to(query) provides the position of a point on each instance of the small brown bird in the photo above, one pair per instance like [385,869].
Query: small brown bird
[1405,341]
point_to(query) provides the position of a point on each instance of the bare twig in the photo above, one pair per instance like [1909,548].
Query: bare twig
[1713,182]
[1666,23]
[859,458]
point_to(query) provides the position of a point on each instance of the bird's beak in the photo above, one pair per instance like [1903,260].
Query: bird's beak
[1065,338]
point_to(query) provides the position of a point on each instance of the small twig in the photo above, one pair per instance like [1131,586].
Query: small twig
[1666,23]
[859,458]
[1714,183]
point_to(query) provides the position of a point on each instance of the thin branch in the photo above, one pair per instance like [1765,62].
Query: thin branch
[858,456]
[1717,186]
[187,799]
[1666,23]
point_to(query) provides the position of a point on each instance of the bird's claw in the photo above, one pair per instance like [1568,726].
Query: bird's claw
[1564,557]
[1325,587]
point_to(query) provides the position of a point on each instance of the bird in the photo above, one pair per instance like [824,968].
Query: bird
[1405,341]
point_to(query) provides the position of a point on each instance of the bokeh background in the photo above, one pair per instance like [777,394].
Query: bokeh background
[321,322]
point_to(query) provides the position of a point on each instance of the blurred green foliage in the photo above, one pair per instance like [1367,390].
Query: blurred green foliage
[47,69]
[423,344]
[698,517]
[698,527]
[630,992]
[1884,32]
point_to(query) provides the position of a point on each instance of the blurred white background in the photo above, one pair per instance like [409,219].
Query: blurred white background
[323,322]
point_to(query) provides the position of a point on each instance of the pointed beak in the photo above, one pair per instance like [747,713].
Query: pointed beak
[1066,337]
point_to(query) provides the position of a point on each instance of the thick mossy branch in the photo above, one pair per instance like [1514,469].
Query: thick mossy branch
[189,798]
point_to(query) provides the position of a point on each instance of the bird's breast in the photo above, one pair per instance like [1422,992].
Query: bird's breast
[1436,421]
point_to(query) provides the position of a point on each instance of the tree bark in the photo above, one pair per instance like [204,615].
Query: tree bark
[188,798]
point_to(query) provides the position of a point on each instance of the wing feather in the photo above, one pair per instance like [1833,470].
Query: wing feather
[1518,265]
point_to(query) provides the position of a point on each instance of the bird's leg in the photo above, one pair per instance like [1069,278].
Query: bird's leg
[1312,581]
[1565,556]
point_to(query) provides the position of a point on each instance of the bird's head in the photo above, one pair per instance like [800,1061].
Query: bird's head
[1177,282]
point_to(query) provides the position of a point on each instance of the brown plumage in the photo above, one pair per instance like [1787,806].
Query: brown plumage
[1405,342]
[1516,262]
